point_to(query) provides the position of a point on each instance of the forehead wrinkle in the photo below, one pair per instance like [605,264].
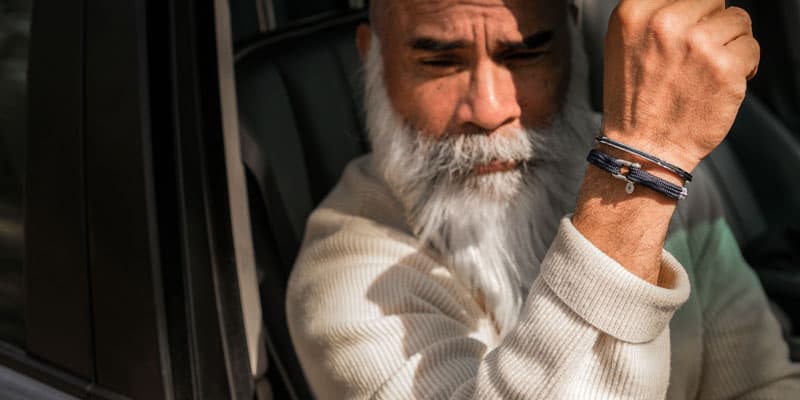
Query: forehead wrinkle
[436,6]
[429,18]
[463,26]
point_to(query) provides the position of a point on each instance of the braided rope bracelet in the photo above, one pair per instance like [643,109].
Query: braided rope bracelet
[635,175]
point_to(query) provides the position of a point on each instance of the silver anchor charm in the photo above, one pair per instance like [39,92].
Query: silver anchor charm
[629,186]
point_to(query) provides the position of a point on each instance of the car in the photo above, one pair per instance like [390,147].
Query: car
[158,161]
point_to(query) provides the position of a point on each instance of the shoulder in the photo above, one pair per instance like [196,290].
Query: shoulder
[359,200]
[365,296]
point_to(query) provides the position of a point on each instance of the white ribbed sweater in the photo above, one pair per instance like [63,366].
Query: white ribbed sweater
[372,316]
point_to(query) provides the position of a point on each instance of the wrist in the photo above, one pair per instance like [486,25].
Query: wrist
[629,228]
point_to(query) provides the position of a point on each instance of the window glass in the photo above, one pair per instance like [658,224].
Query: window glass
[14,34]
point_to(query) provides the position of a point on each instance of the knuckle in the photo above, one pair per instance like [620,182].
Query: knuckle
[664,25]
[740,18]
[722,68]
[742,14]
[755,61]
[739,89]
[699,40]
[627,14]
[757,49]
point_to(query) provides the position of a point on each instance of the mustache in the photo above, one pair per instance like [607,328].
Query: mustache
[458,155]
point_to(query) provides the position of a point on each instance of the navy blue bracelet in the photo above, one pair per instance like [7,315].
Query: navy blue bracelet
[635,175]
[655,160]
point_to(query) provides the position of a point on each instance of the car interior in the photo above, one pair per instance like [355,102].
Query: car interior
[301,120]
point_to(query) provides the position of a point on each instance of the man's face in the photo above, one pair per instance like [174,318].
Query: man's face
[465,117]
[476,66]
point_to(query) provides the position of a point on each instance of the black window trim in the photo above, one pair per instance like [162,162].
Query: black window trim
[57,317]
[129,195]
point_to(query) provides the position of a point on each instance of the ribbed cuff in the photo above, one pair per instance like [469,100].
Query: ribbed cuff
[605,294]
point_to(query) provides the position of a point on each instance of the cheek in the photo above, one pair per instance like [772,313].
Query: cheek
[541,92]
[429,106]
[436,104]
[541,95]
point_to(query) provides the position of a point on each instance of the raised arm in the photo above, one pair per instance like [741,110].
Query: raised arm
[371,316]
[675,75]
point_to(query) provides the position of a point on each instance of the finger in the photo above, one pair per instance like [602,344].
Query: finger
[724,27]
[645,4]
[638,12]
[693,11]
[746,52]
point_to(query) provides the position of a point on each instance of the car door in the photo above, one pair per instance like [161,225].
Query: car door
[123,240]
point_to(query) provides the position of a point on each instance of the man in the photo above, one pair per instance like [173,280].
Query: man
[441,266]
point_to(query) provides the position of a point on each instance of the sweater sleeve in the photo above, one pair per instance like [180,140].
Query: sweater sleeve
[745,356]
[373,317]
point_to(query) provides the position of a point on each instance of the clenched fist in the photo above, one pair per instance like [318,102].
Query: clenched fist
[676,72]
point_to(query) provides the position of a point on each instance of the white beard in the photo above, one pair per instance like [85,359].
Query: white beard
[491,230]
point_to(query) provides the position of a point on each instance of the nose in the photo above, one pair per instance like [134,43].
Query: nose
[491,101]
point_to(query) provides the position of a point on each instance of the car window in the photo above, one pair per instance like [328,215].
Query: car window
[14,33]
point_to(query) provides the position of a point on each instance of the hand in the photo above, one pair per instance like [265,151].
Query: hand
[676,72]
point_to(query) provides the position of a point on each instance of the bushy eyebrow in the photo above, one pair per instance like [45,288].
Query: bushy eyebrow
[435,45]
[530,42]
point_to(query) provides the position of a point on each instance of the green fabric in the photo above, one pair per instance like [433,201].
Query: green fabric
[726,320]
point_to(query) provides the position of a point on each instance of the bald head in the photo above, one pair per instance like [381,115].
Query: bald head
[379,10]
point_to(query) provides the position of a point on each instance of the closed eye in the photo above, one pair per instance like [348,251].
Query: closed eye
[439,62]
[523,56]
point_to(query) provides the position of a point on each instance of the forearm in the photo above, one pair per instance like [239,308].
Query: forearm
[572,330]
[556,354]
[675,74]
[410,331]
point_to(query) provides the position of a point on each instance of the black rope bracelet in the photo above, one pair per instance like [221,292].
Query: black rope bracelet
[655,160]
[635,175]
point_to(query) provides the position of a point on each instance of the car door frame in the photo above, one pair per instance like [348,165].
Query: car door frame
[132,280]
